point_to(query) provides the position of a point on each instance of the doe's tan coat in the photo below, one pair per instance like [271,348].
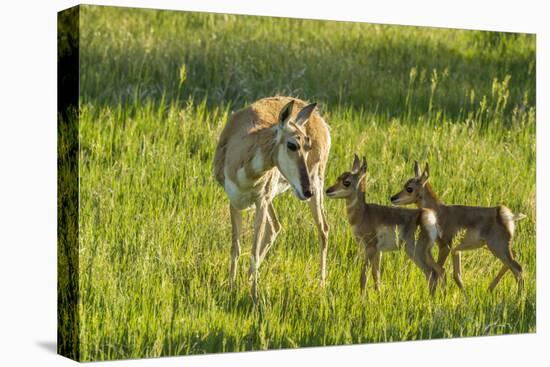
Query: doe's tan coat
[247,163]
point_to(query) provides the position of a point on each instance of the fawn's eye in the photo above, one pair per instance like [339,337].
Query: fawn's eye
[347,183]
[293,147]
[409,190]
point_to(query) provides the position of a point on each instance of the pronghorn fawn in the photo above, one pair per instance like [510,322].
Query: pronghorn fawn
[264,149]
[492,226]
[374,226]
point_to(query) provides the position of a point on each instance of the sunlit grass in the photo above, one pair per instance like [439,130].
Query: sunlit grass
[155,241]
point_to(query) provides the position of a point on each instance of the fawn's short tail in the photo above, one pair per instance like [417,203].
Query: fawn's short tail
[509,219]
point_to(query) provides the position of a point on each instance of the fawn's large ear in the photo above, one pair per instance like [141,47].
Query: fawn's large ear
[416,169]
[356,164]
[363,166]
[284,115]
[303,115]
[425,175]
[362,172]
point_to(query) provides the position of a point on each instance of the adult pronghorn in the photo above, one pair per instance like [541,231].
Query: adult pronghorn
[264,148]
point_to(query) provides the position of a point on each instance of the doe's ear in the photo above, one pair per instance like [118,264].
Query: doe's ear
[304,114]
[284,115]
[356,164]
[416,169]
[425,175]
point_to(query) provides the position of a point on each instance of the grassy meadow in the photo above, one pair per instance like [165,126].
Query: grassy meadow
[156,88]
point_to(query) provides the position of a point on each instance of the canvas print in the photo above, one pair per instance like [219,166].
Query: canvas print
[231,183]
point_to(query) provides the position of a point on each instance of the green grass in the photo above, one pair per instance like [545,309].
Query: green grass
[155,230]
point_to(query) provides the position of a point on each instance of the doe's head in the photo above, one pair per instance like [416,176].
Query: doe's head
[349,182]
[413,188]
[292,147]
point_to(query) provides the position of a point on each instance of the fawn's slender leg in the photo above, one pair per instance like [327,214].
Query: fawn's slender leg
[236,230]
[457,270]
[370,251]
[471,241]
[259,228]
[444,251]
[417,255]
[503,270]
[375,262]
[424,248]
[318,212]
[500,247]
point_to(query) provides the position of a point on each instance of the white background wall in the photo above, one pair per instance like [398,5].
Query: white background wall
[28,182]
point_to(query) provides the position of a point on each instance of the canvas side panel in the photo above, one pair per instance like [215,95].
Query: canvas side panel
[67,183]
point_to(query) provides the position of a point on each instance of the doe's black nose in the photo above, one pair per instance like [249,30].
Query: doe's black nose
[308,194]
[393,198]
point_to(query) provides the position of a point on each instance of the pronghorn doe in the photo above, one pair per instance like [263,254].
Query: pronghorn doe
[264,148]
[493,226]
[374,226]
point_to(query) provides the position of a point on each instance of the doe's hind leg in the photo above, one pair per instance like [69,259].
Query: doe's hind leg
[273,227]
[236,231]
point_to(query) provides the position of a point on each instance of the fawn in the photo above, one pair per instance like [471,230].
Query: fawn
[492,226]
[374,226]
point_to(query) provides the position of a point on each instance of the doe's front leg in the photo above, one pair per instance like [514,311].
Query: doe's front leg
[259,229]
[318,212]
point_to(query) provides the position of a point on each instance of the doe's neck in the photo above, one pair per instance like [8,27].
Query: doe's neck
[268,149]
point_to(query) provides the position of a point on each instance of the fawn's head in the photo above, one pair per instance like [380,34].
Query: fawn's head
[292,147]
[414,187]
[349,182]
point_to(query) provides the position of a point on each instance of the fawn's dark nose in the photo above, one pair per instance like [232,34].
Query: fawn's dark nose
[308,194]
[393,198]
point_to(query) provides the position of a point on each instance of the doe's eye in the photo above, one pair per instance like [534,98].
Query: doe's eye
[293,147]
[409,190]
[347,183]
[307,145]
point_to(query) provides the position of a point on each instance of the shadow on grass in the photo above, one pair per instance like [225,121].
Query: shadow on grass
[238,59]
